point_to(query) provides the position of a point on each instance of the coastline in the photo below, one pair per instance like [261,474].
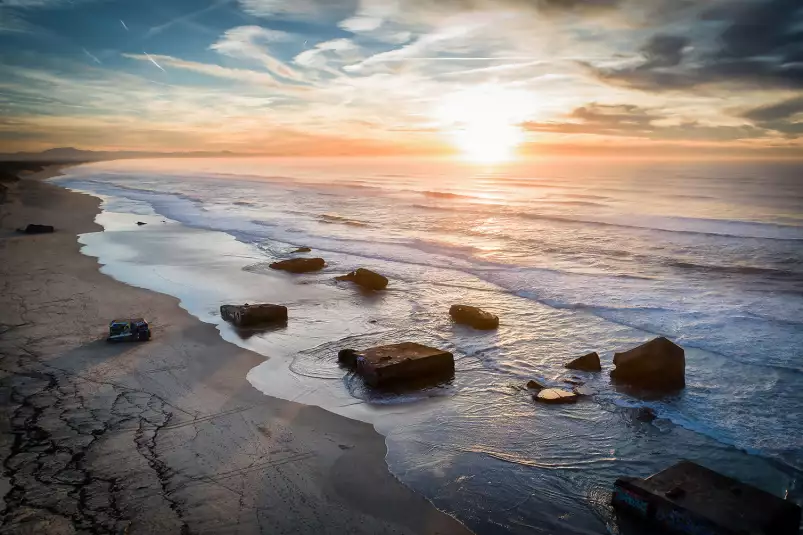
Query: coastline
[165,436]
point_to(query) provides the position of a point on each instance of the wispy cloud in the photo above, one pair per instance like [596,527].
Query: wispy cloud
[251,42]
[216,71]
[185,17]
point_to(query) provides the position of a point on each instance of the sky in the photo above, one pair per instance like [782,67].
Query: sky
[397,77]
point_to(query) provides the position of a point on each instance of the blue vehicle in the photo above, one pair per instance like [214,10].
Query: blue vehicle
[130,330]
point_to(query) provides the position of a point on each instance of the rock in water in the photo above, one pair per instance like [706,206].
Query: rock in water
[586,363]
[658,364]
[299,265]
[555,395]
[348,357]
[366,278]
[399,362]
[535,385]
[473,316]
[645,414]
[252,315]
[37,229]
[302,250]
[140,223]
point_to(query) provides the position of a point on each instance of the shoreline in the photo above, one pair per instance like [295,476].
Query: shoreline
[101,436]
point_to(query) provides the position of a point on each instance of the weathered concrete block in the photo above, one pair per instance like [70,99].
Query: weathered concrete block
[657,364]
[299,265]
[251,315]
[690,499]
[473,316]
[398,362]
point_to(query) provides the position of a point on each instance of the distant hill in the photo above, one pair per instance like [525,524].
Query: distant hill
[70,154]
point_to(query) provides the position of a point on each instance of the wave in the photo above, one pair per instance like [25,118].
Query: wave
[737,270]
[332,218]
[445,195]
[543,217]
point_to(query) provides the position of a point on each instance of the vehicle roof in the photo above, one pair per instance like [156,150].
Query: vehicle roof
[130,320]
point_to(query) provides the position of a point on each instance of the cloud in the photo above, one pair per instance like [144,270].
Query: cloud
[316,56]
[210,69]
[293,9]
[184,18]
[634,121]
[760,44]
[250,42]
[779,116]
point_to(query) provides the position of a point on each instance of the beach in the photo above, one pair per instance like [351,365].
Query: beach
[165,436]
[705,255]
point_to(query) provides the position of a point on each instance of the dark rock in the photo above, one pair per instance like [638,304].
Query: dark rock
[399,362]
[555,395]
[348,357]
[37,229]
[299,265]
[3,193]
[689,498]
[645,414]
[658,364]
[586,363]
[535,385]
[302,250]
[251,315]
[583,391]
[366,278]
[140,223]
[473,316]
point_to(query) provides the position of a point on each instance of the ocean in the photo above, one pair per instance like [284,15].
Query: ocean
[574,256]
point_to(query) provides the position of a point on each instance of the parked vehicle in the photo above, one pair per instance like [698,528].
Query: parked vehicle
[130,330]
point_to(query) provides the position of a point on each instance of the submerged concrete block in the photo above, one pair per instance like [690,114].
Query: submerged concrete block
[690,499]
[252,315]
[398,362]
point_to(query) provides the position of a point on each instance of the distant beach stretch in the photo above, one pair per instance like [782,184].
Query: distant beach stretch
[564,278]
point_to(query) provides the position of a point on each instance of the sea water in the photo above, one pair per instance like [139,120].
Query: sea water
[574,256]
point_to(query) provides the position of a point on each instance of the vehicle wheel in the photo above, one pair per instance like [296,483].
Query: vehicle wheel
[142,337]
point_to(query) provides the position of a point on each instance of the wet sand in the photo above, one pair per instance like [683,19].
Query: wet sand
[165,436]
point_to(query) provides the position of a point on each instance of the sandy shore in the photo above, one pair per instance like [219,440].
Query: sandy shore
[165,436]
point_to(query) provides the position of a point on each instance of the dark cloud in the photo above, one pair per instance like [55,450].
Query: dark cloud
[663,51]
[760,45]
[635,121]
[773,112]
[778,116]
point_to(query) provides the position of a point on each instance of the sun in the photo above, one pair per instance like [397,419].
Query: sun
[488,142]
[484,122]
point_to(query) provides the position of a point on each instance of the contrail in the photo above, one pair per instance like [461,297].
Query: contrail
[154,61]
[123,23]
[94,58]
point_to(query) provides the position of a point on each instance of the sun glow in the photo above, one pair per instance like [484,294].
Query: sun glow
[484,122]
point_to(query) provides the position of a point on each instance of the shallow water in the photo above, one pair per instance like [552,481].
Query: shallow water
[574,257]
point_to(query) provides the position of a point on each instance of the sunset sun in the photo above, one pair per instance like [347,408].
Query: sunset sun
[484,122]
